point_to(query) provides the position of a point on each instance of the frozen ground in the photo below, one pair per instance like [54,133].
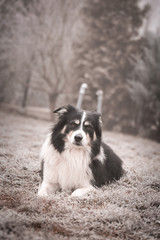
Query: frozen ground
[127,209]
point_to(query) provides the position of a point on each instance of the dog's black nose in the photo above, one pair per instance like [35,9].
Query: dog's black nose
[78,138]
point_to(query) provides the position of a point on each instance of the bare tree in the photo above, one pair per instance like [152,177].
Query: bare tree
[37,45]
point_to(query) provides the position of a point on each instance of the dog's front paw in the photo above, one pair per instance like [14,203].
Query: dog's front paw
[42,191]
[81,192]
[77,193]
[42,194]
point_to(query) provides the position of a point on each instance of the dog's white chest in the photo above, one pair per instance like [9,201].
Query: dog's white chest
[73,169]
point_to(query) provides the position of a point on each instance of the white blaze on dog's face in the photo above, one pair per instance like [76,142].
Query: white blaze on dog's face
[78,136]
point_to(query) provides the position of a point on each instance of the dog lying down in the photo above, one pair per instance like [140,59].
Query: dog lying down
[74,157]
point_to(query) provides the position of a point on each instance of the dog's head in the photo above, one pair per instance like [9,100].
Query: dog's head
[76,127]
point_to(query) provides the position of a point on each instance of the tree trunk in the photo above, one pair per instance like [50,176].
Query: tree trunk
[52,102]
[26,89]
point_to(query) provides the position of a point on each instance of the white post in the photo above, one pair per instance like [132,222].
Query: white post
[99,94]
[81,94]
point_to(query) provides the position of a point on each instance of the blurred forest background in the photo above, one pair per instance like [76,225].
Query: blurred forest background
[49,48]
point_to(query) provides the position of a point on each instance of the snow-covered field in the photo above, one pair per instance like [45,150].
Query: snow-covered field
[127,209]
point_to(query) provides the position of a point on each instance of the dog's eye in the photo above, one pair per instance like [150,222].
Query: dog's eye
[73,124]
[88,126]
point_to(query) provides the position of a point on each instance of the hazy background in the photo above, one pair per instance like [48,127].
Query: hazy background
[48,48]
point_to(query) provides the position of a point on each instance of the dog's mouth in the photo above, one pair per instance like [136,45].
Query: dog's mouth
[79,144]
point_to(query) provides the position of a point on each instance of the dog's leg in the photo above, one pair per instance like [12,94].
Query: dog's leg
[46,189]
[82,191]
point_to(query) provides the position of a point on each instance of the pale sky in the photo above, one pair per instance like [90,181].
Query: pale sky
[153,22]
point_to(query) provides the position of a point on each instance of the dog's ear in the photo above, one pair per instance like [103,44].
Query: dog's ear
[100,119]
[99,125]
[60,111]
[64,110]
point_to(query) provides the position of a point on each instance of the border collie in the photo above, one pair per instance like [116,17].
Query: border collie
[74,157]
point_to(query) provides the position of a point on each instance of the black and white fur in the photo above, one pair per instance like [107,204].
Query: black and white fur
[74,156]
